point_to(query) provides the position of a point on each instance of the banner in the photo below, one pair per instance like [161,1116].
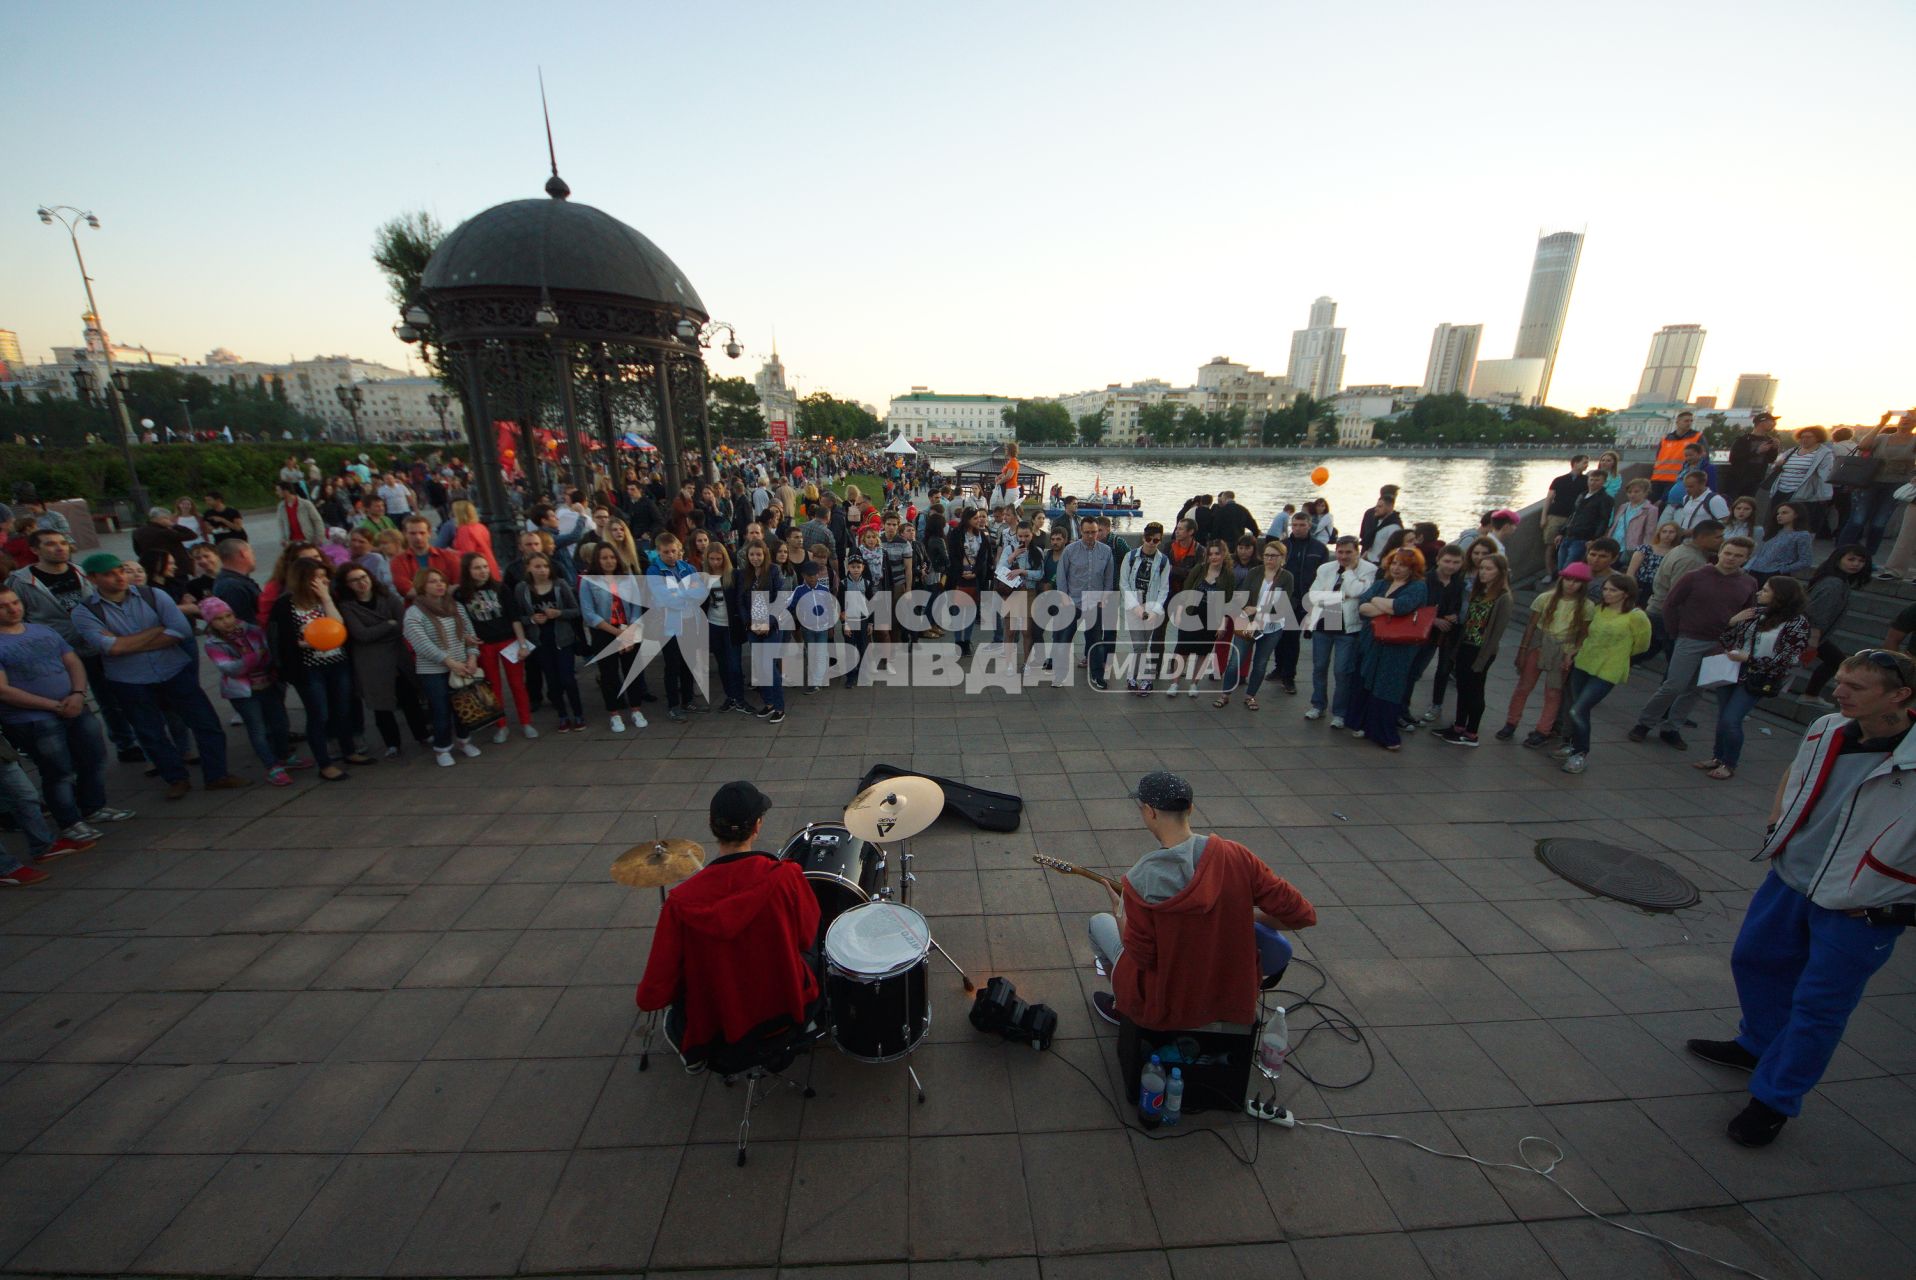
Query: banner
[778,430]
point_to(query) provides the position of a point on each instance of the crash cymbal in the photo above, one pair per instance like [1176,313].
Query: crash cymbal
[658,863]
[895,809]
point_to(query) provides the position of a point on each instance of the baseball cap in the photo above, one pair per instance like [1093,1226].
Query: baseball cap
[101,562]
[1758,417]
[213,607]
[736,806]
[1576,571]
[1163,790]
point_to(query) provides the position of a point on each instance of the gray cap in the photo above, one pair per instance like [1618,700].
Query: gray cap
[1163,790]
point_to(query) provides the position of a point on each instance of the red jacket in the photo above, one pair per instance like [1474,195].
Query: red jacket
[406,564]
[1192,959]
[728,949]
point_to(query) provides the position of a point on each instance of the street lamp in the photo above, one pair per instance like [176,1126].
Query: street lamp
[71,218]
[351,399]
[692,333]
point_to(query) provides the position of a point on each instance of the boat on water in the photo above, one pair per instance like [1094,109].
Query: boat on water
[1098,507]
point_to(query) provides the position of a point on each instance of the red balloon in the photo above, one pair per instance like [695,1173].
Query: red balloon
[325,633]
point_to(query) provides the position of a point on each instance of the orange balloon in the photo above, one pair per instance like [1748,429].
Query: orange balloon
[1319,476]
[325,633]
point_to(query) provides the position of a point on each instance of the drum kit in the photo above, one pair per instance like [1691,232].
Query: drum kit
[874,947]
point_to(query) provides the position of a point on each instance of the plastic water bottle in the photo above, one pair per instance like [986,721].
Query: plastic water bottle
[1151,1094]
[1274,1043]
[1174,1097]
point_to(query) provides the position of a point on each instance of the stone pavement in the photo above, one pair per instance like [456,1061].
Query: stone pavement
[386,1027]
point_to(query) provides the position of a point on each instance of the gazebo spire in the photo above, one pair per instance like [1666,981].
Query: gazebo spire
[555,185]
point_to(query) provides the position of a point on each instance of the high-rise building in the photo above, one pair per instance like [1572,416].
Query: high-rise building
[775,400]
[1670,370]
[1753,391]
[1513,381]
[1317,354]
[11,361]
[1547,303]
[1453,353]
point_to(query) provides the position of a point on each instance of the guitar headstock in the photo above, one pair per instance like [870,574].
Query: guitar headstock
[1053,864]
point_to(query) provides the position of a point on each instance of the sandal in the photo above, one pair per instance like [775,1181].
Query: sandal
[1707,765]
[1250,704]
[1721,773]
[1223,701]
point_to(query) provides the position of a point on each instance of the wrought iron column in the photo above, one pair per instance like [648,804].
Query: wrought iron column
[674,465]
[494,508]
[568,405]
[708,468]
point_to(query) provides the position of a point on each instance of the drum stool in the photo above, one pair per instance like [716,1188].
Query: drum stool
[766,1058]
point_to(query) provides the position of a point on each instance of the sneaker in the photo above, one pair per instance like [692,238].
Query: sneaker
[1639,733]
[1099,685]
[618,724]
[1431,714]
[109,815]
[1757,1125]
[1289,686]
[1506,733]
[1337,722]
[391,753]
[761,711]
[278,777]
[528,731]
[22,876]
[1458,737]
[231,782]
[1106,1006]
[1573,763]
[443,759]
[1315,713]
[500,734]
[1724,1053]
[1671,738]
[175,790]
[62,847]
[1357,733]
[81,831]
[777,717]
[469,751]
[1563,752]
[677,714]
[638,721]
[298,762]
[1533,739]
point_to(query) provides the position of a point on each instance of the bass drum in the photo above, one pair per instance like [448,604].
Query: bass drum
[844,871]
[875,961]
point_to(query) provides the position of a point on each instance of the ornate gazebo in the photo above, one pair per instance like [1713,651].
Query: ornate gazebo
[552,315]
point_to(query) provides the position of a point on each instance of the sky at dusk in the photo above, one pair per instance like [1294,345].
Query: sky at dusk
[1020,199]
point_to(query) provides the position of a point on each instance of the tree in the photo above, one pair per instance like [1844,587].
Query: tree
[821,415]
[1292,424]
[1092,426]
[1039,422]
[733,405]
[401,249]
[1158,422]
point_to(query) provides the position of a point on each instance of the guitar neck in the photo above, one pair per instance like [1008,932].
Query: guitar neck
[1072,869]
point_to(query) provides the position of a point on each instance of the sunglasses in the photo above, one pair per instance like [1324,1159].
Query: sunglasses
[1890,660]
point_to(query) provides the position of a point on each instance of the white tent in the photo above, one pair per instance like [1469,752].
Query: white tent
[900,445]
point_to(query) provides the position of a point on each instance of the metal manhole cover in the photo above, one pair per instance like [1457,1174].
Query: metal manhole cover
[1617,873]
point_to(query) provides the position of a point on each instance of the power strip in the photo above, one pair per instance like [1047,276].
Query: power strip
[1260,1109]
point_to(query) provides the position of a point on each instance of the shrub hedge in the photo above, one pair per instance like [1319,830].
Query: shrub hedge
[245,473]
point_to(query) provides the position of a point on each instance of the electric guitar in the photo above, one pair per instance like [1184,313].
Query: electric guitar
[1071,869]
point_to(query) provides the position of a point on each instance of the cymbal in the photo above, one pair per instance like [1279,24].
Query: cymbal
[895,809]
[658,864]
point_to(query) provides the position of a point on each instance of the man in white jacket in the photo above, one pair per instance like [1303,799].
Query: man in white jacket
[1144,585]
[1841,889]
[1333,624]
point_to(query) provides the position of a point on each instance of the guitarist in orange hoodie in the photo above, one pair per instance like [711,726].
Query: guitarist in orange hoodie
[1196,927]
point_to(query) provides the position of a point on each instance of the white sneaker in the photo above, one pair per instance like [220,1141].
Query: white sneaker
[500,734]
[618,724]
[81,831]
[1574,764]
[638,721]
[1337,722]
[392,753]
[1431,714]
[1315,713]
[469,751]
[1191,692]
[444,759]
[529,731]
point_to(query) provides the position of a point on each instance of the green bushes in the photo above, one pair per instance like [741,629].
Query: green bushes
[245,473]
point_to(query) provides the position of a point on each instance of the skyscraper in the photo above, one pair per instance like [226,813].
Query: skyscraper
[1548,302]
[1317,354]
[1453,354]
[1671,367]
[1754,391]
[14,363]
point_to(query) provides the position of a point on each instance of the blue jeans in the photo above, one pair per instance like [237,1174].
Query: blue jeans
[773,694]
[327,694]
[555,664]
[146,707]
[22,799]
[1869,512]
[1733,705]
[1586,691]
[118,728]
[1800,970]
[264,715]
[1328,649]
[439,704]
[1261,648]
[71,758]
[1569,551]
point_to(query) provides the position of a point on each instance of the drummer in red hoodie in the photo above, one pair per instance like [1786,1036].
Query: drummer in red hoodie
[1197,927]
[728,957]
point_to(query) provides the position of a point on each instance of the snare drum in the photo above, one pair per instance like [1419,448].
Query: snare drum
[875,961]
[844,871]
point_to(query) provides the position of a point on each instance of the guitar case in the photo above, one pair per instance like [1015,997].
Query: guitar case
[987,810]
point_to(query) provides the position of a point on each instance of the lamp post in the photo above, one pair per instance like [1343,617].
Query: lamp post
[351,399]
[690,331]
[71,218]
[186,407]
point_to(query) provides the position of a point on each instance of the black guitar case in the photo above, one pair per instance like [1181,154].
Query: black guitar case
[987,810]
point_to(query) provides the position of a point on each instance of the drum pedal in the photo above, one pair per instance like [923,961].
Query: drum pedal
[1271,1110]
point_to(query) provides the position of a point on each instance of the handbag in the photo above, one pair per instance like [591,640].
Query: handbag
[1856,469]
[1718,670]
[1405,628]
[1905,493]
[475,707]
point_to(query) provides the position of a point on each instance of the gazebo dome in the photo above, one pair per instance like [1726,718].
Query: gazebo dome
[560,247]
